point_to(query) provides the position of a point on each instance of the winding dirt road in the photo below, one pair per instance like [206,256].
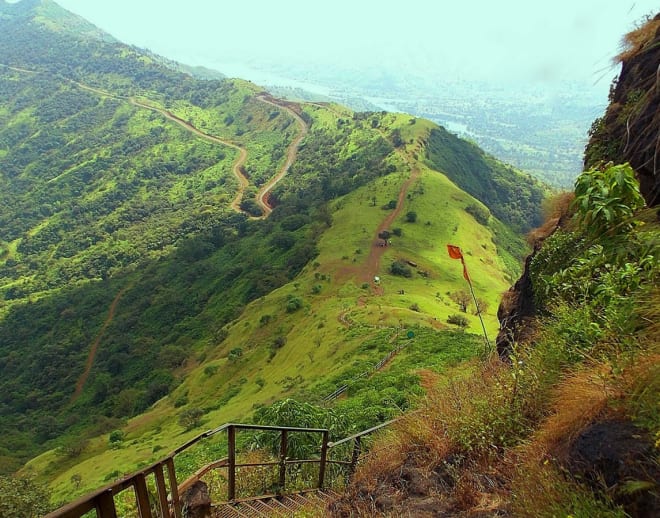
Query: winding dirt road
[237,168]
[292,152]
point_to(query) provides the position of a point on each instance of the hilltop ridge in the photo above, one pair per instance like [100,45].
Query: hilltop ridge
[134,292]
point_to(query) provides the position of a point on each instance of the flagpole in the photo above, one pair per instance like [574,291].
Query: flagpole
[483,326]
[456,253]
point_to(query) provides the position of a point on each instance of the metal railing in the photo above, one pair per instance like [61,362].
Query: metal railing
[168,504]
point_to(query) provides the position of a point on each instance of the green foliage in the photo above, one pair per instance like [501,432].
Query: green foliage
[512,197]
[116,438]
[117,226]
[478,212]
[290,412]
[602,263]
[191,418]
[293,304]
[411,216]
[458,320]
[606,200]
[23,497]
[398,268]
[235,354]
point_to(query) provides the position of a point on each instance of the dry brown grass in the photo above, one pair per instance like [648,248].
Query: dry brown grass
[637,40]
[557,210]
[578,401]
[439,447]
[591,395]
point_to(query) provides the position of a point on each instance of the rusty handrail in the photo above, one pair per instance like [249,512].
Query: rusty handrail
[362,433]
[102,500]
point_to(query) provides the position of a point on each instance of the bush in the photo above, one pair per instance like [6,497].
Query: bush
[398,268]
[458,320]
[191,418]
[23,497]
[235,354]
[116,438]
[411,217]
[607,199]
[294,304]
[479,213]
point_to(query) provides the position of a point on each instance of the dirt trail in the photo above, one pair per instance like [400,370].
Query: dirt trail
[292,152]
[95,345]
[372,265]
[237,169]
[243,182]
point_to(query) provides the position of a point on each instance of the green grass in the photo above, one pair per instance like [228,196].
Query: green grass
[318,346]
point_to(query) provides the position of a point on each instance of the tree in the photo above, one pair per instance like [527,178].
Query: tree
[191,418]
[482,305]
[411,217]
[462,298]
[23,497]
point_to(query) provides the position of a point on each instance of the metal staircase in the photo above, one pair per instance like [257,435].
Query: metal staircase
[308,504]
[159,493]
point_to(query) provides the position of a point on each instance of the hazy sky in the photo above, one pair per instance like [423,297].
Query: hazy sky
[495,39]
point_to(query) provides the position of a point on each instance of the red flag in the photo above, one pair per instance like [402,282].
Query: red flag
[455,253]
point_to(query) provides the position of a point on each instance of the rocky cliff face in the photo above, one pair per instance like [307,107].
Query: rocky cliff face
[630,129]
[628,132]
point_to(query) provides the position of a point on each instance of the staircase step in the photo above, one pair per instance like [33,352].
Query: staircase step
[307,504]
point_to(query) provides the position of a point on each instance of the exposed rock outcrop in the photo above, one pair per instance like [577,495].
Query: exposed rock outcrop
[516,312]
[630,129]
[610,454]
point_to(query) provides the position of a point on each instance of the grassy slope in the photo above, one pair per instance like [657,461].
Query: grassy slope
[318,345]
[338,313]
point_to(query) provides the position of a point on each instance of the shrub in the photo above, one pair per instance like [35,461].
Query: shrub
[116,438]
[479,213]
[458,320]
[210,370]
[191,418]
[294,304]
[235,354]
[264,320]
[398,268]
[411,216]
[607,199]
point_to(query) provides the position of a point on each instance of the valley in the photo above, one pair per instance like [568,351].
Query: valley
[178,252]
[198,246]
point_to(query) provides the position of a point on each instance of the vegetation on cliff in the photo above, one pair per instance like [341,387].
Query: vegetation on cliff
[570,423]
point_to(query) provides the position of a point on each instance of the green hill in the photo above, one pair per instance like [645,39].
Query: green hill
[139,278]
